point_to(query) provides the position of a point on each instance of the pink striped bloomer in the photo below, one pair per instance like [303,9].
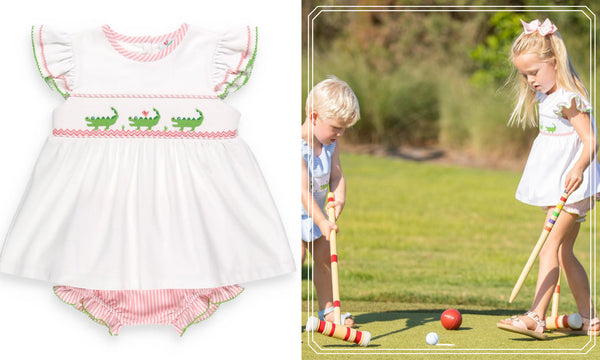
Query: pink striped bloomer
[178,307]
[580,208]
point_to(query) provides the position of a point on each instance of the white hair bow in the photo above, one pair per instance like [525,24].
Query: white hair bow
[545,28]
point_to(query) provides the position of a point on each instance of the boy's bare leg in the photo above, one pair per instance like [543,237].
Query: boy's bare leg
[322,275]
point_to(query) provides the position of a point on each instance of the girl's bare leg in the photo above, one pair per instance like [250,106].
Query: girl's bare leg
[575,274]
[564,227]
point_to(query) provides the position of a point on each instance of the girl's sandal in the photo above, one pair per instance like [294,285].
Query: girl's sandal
[516,325]
[591,326]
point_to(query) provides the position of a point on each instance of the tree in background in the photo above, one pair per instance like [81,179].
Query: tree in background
[432,77]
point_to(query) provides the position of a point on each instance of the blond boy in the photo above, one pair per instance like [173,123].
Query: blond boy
[331,107]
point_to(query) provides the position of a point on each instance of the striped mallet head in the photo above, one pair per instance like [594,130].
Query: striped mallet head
[340,332]
[573,322]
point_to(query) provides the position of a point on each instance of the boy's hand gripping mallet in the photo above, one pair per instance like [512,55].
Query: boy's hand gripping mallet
[538,246]
[335,286]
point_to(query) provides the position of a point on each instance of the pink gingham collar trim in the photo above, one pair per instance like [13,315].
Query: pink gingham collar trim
[173,40]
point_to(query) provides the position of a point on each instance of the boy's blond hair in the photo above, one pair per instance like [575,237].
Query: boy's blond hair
[549,48]
[333,98]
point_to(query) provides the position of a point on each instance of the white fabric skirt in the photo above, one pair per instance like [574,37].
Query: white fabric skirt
[146,214]
[550,159]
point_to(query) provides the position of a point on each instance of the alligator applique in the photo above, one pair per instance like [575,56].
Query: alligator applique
[552,129]
[145,121]
[192,123]
[105,121]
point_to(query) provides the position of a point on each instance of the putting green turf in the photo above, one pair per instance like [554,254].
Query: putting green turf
[418,238]
[399,330]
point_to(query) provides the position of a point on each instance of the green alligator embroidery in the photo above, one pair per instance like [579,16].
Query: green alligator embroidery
[105,121]
[192,123]
[552,129]
[138,122]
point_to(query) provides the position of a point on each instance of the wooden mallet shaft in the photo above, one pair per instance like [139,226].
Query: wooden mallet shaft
[556,295]
[538,246]
[335,287]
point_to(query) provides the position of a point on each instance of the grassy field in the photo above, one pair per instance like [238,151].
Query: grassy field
[417,238]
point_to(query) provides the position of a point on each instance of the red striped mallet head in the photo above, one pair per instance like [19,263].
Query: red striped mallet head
[573,322]
[341,332]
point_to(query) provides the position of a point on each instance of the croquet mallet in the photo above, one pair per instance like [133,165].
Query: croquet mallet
[336,329]
[538,245]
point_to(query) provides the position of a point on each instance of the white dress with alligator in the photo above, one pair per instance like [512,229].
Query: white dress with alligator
[144,182]
[554,152]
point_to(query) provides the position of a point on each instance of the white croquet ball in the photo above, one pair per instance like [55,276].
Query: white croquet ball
[432,338]
[575,322]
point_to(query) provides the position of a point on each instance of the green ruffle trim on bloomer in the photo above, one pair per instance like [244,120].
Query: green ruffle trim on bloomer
[197,321]
[84,310]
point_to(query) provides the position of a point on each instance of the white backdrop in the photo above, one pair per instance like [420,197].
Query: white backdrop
[265,320]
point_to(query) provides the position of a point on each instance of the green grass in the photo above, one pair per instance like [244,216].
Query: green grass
[398,331]
[416,238]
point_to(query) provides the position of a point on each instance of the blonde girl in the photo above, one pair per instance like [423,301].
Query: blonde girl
[563,156]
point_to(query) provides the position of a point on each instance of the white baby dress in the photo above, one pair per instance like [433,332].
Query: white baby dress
[554,152]
[144,182]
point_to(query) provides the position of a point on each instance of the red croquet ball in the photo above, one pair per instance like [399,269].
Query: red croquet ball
[451,319]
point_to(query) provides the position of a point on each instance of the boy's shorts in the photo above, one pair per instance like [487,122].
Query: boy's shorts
[579,208]
[310,230]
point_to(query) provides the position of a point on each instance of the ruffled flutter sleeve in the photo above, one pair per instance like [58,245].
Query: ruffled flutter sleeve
[566,99]
[53,52]
[234,59]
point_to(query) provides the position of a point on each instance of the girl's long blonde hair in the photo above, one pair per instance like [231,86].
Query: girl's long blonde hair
[549,48]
